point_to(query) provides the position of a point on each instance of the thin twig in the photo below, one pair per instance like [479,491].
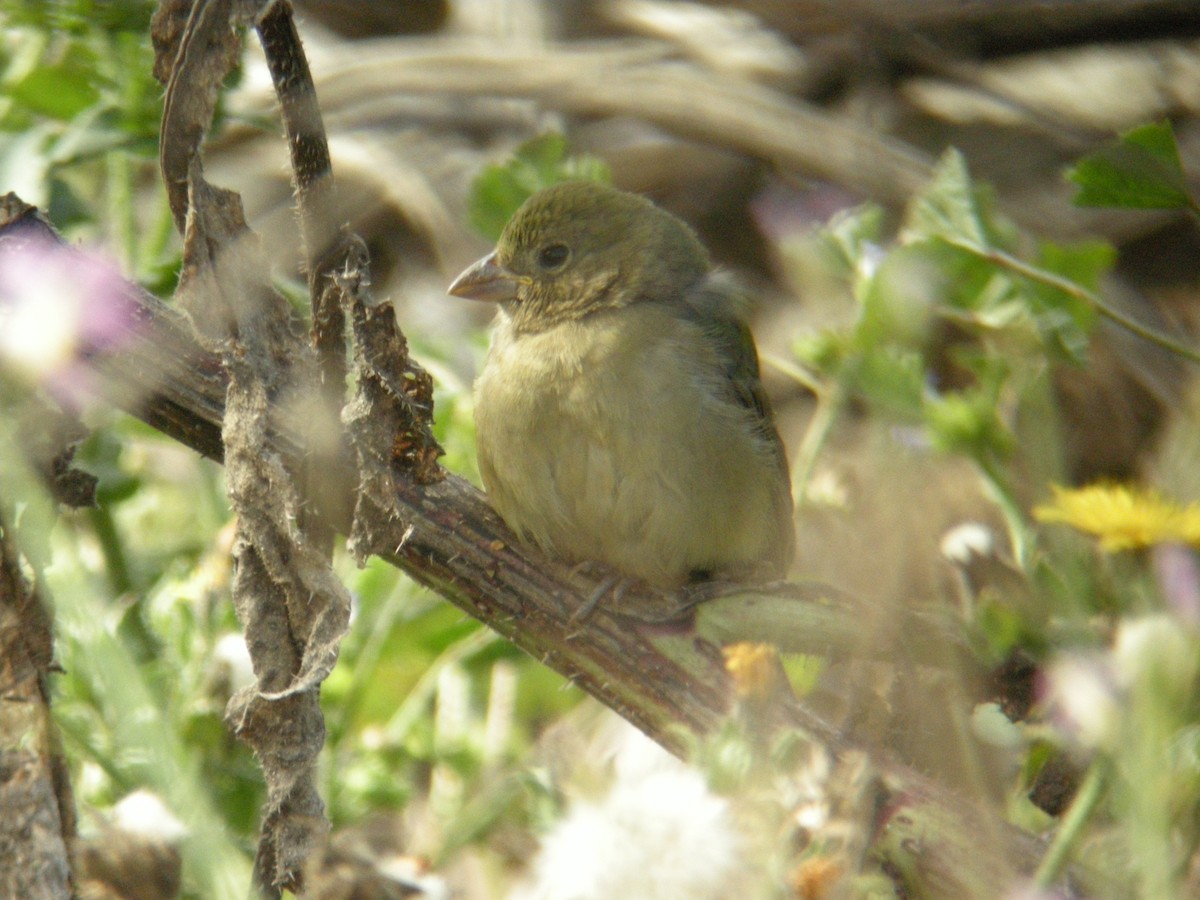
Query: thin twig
[830,401]
[1041,276]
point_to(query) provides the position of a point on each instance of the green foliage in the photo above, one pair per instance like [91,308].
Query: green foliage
[851,238]
[1141,170]
[425,710]
[954,272]
[409,654]
[454,423]
[79,113]
[132,713]
[543,161]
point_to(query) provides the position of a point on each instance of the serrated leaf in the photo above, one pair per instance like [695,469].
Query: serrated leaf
[1158,139]
[949,207]
[499,190]
[1140,171]
[966,277]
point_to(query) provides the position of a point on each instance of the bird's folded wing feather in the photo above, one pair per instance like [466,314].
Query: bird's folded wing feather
[718,305]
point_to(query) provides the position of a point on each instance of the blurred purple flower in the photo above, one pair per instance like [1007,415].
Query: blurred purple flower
[1177,571]
[59,305]
[782,210]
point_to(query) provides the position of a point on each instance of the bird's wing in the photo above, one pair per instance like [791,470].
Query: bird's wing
[718,305]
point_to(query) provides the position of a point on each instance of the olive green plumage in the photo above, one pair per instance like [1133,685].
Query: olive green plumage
[619,416]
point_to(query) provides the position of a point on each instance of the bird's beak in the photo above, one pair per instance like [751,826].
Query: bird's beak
[487,280]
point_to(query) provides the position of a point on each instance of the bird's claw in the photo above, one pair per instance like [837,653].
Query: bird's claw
[645,601]
[612,583]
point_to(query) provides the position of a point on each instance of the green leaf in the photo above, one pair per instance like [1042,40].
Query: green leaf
[892,381]
[1084,262]
[1065,320]
[58,91]
[1000,627]
[538,163]
[968,281]
[949,207]
[1139,171]
[967,422]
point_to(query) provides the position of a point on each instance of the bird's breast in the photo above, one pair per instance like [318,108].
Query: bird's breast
[612,438]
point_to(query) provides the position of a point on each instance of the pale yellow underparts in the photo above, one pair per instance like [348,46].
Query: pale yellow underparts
[614,438]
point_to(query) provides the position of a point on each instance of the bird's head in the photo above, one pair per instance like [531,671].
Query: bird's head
[580,246]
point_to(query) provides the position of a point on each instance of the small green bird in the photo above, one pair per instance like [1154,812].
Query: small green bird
[619,416]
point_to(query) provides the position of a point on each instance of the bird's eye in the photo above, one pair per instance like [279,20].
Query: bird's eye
[553,256]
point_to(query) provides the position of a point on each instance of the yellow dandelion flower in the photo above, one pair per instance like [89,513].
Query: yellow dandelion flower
[1123,517]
